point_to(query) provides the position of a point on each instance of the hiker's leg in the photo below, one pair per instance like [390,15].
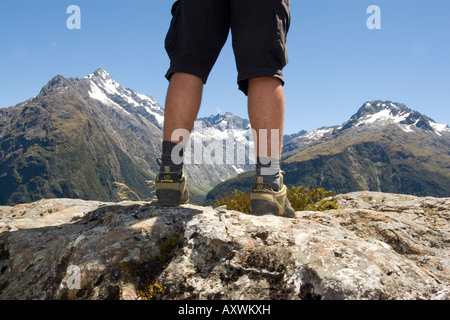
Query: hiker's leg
[193,50]
[266,112]
[182,104]
[259,32]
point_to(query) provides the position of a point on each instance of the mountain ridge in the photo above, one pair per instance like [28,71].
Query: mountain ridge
[372,116]
[98,132]
[384,146]
[118,131]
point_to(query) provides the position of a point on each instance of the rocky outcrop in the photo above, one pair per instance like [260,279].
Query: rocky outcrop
[376,246]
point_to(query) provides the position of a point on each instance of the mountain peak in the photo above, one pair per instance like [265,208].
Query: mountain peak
[380,113]
[376,106]
[56,84]
[225,121]
[100,72]
[103,88]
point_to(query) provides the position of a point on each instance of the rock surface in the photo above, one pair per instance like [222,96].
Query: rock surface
[376,246]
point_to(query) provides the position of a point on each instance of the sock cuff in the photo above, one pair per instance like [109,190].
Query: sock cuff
[169,159]
[267,166]
[269,170]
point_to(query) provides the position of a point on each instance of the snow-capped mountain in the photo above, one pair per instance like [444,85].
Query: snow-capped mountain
[220,147]
[215,128]
[104,88]
[381,113]
[372,117]
[79,136]
[289,137]
[225,121]
[384,146]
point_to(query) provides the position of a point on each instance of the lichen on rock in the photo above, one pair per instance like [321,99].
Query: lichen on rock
[375,246]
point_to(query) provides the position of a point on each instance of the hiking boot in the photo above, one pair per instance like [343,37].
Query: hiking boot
[171,189]
[264,200]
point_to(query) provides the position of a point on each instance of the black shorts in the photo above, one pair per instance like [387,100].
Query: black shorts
[200,28]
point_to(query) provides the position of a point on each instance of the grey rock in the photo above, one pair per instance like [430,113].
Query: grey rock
[377,246]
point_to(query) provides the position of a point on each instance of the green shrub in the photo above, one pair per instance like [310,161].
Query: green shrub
[305,199]
[301,198]
[239,201]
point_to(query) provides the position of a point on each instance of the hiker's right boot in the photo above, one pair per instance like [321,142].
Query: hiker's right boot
[264,200]
[171,189]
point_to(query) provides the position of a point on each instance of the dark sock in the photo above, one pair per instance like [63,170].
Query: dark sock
[167,160]
[269,169]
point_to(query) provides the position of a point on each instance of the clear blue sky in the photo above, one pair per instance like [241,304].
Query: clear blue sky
[336,62]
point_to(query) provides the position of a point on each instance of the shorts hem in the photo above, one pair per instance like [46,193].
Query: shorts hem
[262,72]
[193,72]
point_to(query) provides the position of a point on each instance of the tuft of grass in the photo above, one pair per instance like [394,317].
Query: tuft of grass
[238,200]
[124,191]
[315,199]
[301,198]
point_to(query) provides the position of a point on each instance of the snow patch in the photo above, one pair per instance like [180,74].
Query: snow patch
[96,93]
[111,86]
[316,134]
[146,98]
[384,115]
[103,86]
[406,128]
[238,170]
[439,128]
[159,117]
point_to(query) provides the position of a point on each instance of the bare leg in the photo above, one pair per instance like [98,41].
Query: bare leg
[182,104]
[266,111]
